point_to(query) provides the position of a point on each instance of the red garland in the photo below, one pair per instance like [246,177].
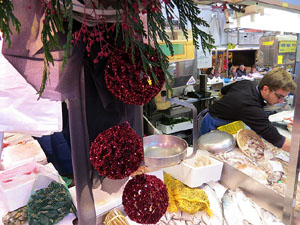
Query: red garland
[145,199]
[117,152]
[128,81]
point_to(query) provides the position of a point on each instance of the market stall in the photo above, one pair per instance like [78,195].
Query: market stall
[104,113]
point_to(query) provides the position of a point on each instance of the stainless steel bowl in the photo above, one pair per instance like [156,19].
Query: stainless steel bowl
[216,142]
[164,150]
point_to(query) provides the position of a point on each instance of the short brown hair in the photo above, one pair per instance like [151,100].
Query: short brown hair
[278,78]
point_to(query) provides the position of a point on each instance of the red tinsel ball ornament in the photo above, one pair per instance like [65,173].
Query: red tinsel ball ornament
[128,81]
[145,199]
[117,152]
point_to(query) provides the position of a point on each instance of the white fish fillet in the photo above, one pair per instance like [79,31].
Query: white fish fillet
[231,210]
[269,218]
[248,208]
[245,222]
[218,188]
[205,219]
[214,203]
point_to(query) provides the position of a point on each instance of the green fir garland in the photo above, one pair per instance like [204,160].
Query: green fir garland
[128,24]
[53,23]
[7,18]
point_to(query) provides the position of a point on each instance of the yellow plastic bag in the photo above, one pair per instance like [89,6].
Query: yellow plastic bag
[190,200]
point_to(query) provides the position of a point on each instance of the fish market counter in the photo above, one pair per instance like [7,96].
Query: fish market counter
[259,193]
[264,182]
[258,186]
[233,186]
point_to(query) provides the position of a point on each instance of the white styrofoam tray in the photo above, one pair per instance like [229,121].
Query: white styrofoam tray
[17,182]
[196,176]
[169,129]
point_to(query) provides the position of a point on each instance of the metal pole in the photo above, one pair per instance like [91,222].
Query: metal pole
[227,69]
[297,64]
[293,167]
[238,36]
[1,144]
[195,123]
[1,148]
[216,61]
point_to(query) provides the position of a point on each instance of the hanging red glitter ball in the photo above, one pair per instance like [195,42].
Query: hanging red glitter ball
[145,199]
[128,81]
[117,152]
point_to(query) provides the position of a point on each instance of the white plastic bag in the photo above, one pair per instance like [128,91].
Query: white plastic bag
[20,111]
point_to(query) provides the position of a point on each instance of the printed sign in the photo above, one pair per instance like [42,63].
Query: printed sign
[191,81]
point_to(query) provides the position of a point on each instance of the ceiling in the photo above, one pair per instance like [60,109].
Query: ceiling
[287,5]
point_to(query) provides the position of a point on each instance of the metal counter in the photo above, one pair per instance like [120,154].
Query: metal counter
[259,193]
[293,167]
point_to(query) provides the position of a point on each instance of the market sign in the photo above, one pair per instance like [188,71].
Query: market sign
[267,43]
[183,50]
[287,46]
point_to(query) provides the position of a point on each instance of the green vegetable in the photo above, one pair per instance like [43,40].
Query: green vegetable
[171,121]
[49,205]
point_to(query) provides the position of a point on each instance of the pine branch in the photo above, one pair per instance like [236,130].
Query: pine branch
[157,28]
[45,77]
[53,24]
[128,21]
[68,8]
[188,11]
[7,17]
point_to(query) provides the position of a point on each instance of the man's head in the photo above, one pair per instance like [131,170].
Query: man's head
[276,85]
[253,69]
[242,67]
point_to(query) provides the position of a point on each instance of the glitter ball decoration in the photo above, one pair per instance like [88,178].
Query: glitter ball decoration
[128,81]
[145,199]
[117,152]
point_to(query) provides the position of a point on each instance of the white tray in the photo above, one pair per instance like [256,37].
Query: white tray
[196,176]
[169,129]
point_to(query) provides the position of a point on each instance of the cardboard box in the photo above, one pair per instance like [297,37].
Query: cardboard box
[196,176]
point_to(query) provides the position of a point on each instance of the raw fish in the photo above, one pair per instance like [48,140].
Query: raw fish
[214,203]
[231,210]
[206,220]
[269,218]
[218,188]
[248,208]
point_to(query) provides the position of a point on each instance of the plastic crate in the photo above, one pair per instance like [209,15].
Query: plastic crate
[232,128]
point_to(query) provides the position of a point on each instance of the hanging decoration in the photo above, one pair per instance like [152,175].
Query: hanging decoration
[135,21]
[117,152]
[128,81]
[8,19]
[145,199]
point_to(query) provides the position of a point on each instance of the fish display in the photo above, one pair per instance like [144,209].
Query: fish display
[263,170]
[229,208]
[214,204]
[269,218]
[248,208]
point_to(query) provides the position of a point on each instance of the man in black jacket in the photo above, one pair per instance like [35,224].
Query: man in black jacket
[241,71]
[245,101]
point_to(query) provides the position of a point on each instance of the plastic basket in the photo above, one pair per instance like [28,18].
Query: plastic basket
[232,128]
